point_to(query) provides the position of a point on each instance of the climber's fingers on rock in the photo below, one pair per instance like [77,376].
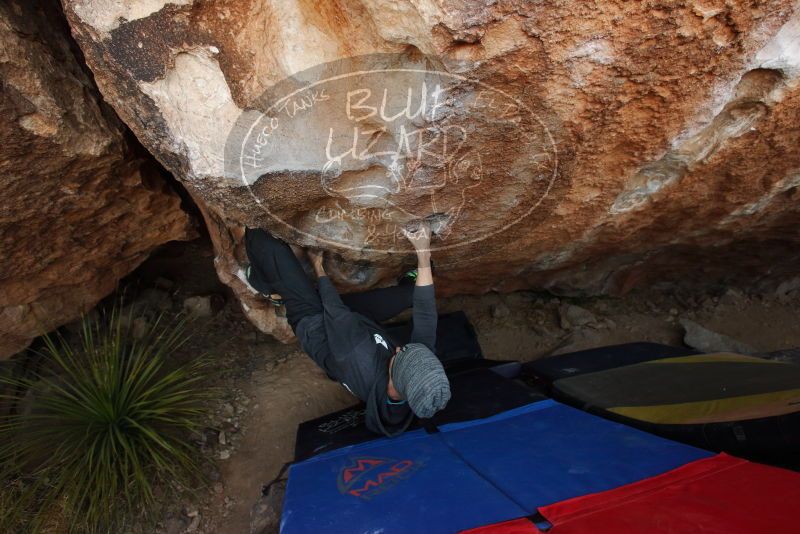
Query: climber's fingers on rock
[315,256]
[418,232]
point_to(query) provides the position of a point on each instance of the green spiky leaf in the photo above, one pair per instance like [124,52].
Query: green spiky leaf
[93,438]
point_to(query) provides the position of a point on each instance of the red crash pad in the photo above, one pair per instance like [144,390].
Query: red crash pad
[717,495]
[516,526]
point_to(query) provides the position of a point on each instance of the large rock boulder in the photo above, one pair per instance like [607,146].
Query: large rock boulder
[579,147]
[78,208]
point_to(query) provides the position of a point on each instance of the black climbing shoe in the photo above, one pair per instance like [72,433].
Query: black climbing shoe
[408,277]
[261,285]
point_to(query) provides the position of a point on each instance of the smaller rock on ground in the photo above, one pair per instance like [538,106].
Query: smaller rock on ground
[788,290]
[701,338]
[265,516]
[198,307]
[572,316]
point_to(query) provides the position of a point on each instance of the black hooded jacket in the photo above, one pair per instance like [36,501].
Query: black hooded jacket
[358,351]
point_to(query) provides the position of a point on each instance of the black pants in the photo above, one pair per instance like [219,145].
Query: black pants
[275,269]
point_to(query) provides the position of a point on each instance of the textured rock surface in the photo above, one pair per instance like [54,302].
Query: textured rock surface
[652,141]
[78,210]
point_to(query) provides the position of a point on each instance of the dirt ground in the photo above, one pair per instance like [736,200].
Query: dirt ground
[269,388]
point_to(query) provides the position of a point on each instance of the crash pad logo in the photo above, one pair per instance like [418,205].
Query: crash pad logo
[368,476]
[349,419]
[348,153]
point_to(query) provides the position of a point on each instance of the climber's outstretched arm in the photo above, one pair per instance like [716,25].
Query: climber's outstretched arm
[424,300]
[420,238]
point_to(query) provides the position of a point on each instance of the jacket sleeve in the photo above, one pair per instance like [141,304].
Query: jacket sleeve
[331,300]
[351,345]
[425,316]
[345,330]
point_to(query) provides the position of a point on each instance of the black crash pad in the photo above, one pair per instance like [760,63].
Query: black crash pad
[553,368]
[476,393]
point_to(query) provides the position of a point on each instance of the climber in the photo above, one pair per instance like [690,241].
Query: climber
[344,337]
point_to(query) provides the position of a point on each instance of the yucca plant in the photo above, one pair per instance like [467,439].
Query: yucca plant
[100,433]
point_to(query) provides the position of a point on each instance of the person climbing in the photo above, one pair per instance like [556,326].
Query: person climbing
[343,334]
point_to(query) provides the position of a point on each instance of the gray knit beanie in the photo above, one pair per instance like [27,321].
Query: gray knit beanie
[419,377]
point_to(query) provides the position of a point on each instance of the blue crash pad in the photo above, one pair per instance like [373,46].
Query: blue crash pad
[473,473]
[547,452]
[408,484]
